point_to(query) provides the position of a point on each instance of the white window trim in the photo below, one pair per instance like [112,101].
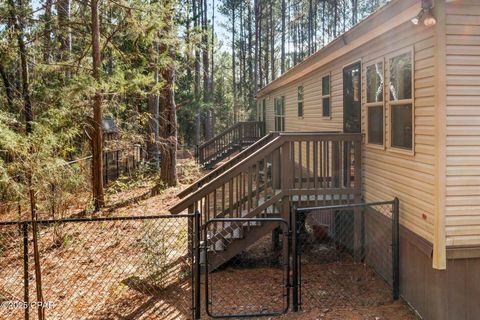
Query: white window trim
[391,103]
[375,104]
[329,95]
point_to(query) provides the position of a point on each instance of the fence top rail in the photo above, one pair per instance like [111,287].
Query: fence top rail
[343,206]
[246,220]
[98,219]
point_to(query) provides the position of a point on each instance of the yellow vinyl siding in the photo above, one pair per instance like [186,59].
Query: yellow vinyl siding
[386,173]
[463,123]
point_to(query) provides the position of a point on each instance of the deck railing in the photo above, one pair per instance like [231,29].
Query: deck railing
[227,165]
[232,139]
[301,168]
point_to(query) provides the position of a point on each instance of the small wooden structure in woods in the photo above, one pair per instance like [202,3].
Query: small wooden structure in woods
[110,129]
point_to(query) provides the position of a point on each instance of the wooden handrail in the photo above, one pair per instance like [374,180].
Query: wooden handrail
[227,165]
[231,139]
[217,181]
[224,132]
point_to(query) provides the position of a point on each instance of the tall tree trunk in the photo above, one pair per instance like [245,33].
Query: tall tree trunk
[47,31]
[310,27]
[259,50]
[7,85]
[335,18]
[196,13]
[234,69]
[323,22]
[63,32]
[206,70]
[212,73]
[272,42]
[251,100]
[97,138]
[189,56]
[153,149]
[18,21]
[284,13]
[168,112]
[257,43]
[212,44]
[354,12]
[241,56]
[25,82]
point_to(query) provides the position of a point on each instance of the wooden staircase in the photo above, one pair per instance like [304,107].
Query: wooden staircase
[225,144]
[282,170]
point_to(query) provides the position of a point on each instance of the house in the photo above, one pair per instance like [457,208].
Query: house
[412,90]
[390,109]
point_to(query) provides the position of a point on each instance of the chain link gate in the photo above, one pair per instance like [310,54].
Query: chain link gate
[346,255]
[98,268]
[246,267]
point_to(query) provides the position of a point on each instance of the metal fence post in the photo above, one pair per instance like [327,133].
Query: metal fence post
[26,298]
[396,249]
[106,167]
[197,301]
[294,227]
[118,165]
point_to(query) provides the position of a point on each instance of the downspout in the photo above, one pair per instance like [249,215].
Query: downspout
[439,234]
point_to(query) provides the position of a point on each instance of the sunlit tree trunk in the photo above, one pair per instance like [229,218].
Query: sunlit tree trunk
[47,31]
[97,138]
[7,85]
[284,17]
[168,109]
[196,13]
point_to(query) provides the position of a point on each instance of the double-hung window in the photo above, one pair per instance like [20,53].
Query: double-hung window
[264,110]
[279,104]
[375,104]
[401,101]
[326,112]
[300,101]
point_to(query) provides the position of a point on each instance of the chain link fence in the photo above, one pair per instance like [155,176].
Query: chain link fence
[347,255]
[246,267]
[105,268]
[121,161]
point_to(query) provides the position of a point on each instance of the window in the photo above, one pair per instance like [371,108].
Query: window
[401,77]
[279,114]
[259,110]
[402,126]
[264,110]
[300,101]
[375,83]
[375,125]
[326,96]
[375,104]
[401,101]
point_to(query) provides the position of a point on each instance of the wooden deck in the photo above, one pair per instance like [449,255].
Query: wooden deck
[282,170]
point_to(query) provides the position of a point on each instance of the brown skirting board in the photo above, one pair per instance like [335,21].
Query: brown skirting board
[451,294]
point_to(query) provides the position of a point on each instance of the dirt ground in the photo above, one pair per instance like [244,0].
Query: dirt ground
[260,290]
[254,283]
[101,274]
